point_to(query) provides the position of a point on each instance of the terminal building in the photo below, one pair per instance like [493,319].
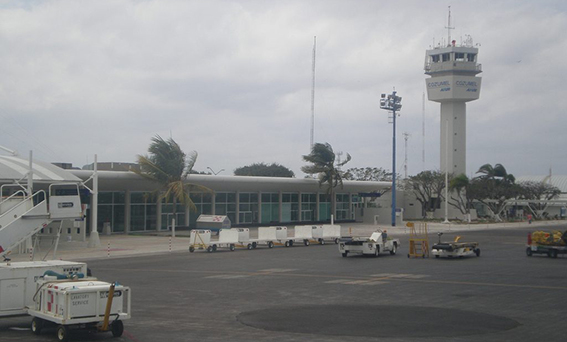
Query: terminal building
[127,202]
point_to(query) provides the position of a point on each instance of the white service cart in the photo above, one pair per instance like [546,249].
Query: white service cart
[243,237]
[331,232]
[377,243]
[272,236]
[201,239]
[85,303]
[303,233]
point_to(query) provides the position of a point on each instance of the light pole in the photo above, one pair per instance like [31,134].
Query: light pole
[392,103]
[215,173]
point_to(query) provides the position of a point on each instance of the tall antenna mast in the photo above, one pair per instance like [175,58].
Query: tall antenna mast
[423,132]
[449,28]
[313,92]
[406,137]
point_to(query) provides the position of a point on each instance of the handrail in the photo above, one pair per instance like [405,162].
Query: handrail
[29,198]
[12,195]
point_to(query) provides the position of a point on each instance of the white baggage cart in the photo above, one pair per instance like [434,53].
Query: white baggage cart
[331,232]
[201,239]
[303,233]
[272,236]
[84,303]
[243,237]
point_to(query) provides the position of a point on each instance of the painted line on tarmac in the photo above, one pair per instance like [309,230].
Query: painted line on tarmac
[368,278]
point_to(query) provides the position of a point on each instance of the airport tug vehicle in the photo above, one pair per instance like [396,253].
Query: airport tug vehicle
[377,243]
[455,249]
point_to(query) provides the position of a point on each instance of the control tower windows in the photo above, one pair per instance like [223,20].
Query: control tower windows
[471,57]
[446,57]
[435,58]
[459,57]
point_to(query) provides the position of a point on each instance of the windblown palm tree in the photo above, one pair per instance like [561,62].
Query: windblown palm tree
[169,166]
[322,159]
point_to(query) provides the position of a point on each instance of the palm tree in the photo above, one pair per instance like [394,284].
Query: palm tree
[322,159]
[496,172]
[169,166]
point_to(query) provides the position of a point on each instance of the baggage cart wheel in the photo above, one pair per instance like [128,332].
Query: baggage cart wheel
[214,248]
[254,245]
[306,242]
[210,249]
[117,328]
[249,246]
[477,252]
[321,241]
[287,243]
[290,243]
[191,249]
[336,241]
[232,247]
[62,333]
[270,244]
[345,254]
[553,253]
[529,251]
[36,325]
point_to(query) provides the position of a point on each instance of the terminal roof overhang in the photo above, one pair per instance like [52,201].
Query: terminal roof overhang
[126,180]
[14,169]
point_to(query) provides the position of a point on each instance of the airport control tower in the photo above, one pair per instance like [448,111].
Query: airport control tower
[453,82]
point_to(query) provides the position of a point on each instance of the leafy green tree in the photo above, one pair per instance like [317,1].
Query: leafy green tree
[322,159]
[494,187]
[537,194]
[427,187]
[462,195]
[264,170]
[167,165]
[367,174]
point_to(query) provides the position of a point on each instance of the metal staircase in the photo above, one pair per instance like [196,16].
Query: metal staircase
[23,216]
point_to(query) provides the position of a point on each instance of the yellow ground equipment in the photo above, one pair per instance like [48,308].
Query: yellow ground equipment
[418,240]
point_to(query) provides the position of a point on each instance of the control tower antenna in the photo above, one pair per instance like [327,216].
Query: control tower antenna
[449,28]
[313,92]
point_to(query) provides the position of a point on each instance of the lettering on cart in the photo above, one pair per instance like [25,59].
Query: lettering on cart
[105,294]
[80,299]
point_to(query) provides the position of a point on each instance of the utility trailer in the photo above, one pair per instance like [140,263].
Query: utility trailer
[243,237]
[79,303]
[552,249]
[272,236]
[17,282]
[377,243]
[201,239]
[303,234]
[331,232]
[455,249]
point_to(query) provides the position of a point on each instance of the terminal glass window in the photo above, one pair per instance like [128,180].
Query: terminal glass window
[290,207]
[324,207]
[270,207]
[167,214]
[143,211]
[248,207]
[225,204]
[308,207]
[203,202]
[111,210]
[342,206]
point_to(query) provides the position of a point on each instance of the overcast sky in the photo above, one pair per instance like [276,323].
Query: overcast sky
[232,80]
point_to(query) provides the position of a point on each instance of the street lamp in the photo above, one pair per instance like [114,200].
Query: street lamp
[215,173]
[392,103]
